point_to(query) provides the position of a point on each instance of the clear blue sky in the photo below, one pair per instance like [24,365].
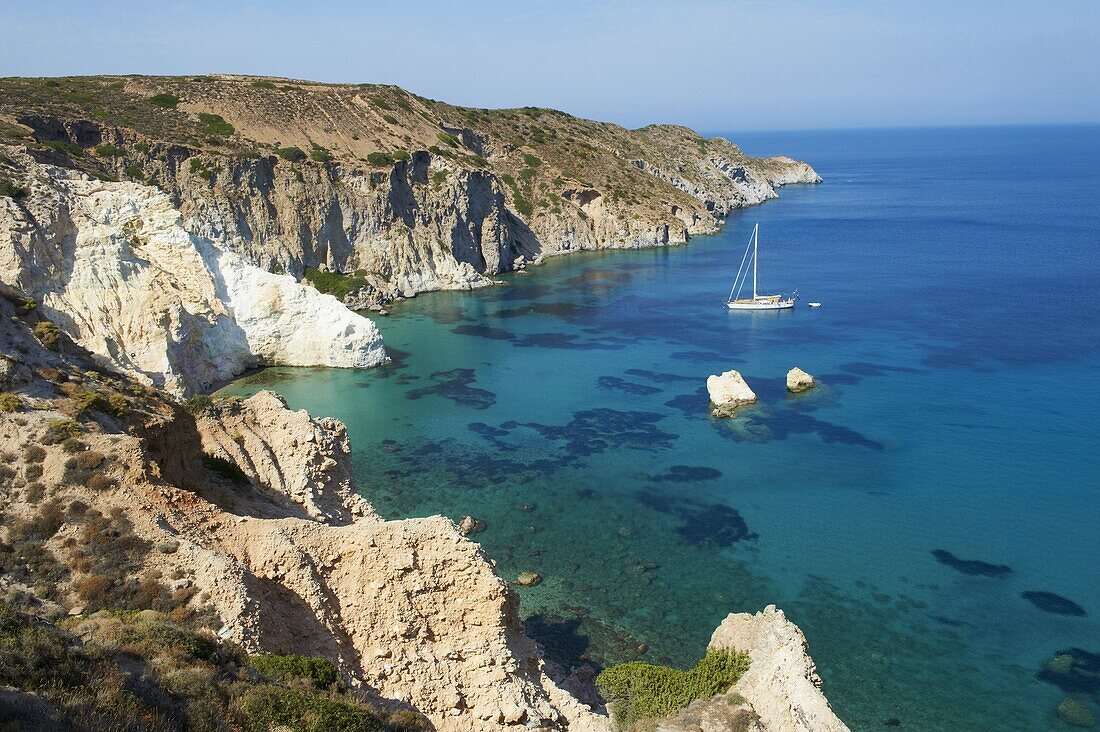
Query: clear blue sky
[747,65]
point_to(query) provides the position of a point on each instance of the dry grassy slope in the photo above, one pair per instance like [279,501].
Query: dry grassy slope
[568,183]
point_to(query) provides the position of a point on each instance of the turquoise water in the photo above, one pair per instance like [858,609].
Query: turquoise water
[959,411]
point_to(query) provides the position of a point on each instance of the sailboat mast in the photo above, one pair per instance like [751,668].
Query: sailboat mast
[755,250]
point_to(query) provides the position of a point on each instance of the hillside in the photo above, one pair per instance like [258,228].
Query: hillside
[405,193]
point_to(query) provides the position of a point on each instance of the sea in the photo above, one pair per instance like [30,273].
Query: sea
[929,515]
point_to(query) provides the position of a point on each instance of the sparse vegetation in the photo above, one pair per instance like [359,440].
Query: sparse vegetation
[638,691]
[317,671]
[107,150]
[263,84]
[225,468]
[334,283]
[320,154]
[128,671]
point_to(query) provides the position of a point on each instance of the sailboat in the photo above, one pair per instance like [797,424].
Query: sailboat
[757,301]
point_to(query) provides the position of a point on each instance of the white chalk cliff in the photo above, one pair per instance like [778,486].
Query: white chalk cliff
[112,265]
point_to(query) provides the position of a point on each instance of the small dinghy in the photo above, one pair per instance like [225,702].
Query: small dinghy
[757,301]
[814,304]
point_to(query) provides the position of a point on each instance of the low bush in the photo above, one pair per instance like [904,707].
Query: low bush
[447,139]
[47,333]
[293,154]
[10,402]
[264,707]
[214,124]
[318,672]
[263,84]
[379,159]
[637,691]
[164,101]
[334,283]
[320,154]
[61,430]
[107,150]
[34,454]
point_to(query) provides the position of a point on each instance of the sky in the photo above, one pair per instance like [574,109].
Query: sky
[711,65]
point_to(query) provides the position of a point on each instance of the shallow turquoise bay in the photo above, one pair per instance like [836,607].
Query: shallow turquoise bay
[957,348]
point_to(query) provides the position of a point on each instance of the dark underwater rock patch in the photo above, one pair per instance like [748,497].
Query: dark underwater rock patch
[687,474]
[1052,603]
[764,426]
[592,431]
[692,405]
[704,524]
[614,383]
[697,356]
[554,309]
[456,386]
[660,377]
[973,567]
[484,331]
[566,341]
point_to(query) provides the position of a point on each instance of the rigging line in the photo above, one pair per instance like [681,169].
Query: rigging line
[739,270]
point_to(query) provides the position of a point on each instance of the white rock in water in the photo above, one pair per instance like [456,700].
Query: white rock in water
[798,380]
[728,392]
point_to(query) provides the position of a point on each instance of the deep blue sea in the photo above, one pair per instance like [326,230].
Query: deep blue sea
[958,355]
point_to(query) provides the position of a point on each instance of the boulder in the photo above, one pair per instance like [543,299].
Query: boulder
[470,525]
[728,392]
[799,381]
[529,579]
[1075,713]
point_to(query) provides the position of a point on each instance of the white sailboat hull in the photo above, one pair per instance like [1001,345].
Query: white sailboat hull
[761,305]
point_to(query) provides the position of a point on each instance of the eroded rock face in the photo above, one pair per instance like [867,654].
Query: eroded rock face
[728,392]
[781,685]
[799,381]
[112,265]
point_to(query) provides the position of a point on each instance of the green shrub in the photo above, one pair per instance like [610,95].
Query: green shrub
[334,283]
[165,101]
[400,155]
[447,139]
[107,150]
[320,154]
[293,154]
[532,161]
[11,190]
[214,124]
[262,708]
[66,147]
[135,171]
[438,177]
[47,333]
[61,430]
[263,84]
[390,118]
[317,671]
[10,402]
[379,159]
[639,691]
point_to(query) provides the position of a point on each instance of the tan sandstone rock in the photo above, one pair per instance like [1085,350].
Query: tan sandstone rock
[781,685]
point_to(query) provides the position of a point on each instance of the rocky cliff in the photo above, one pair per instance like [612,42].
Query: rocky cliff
[112,265]
[402,193]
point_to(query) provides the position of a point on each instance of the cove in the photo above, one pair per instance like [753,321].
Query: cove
[956,350]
